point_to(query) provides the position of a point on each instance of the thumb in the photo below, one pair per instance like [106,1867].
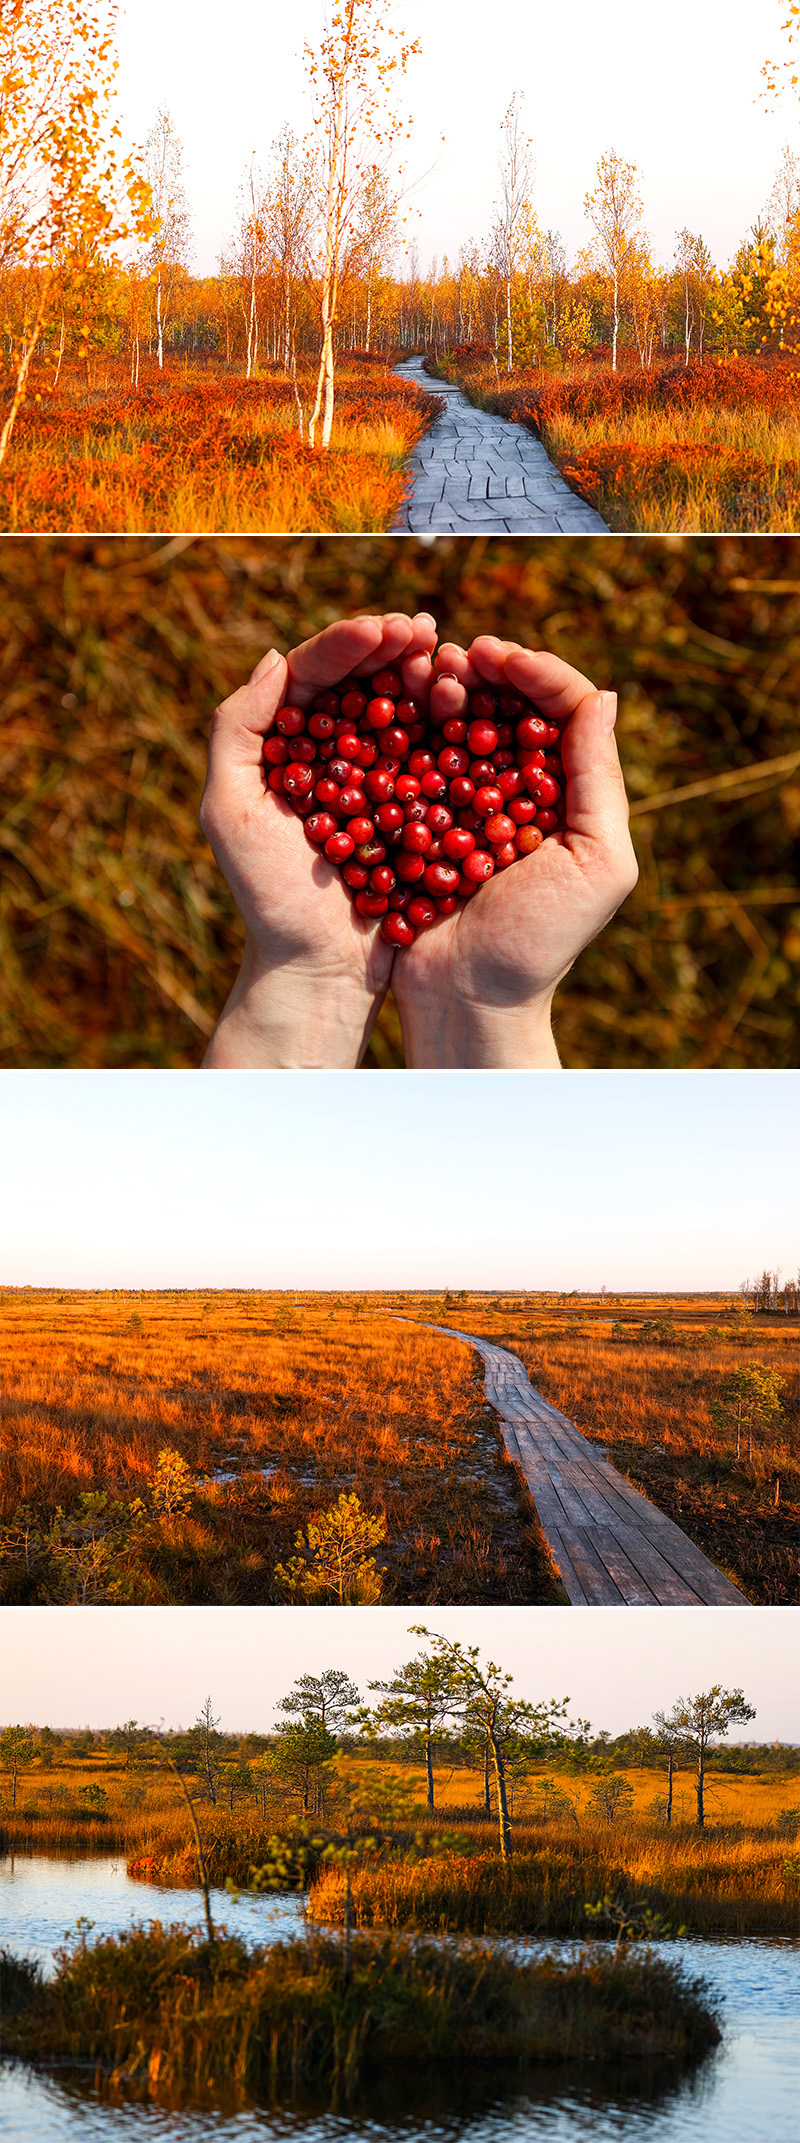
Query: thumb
[241,722]
[596,803]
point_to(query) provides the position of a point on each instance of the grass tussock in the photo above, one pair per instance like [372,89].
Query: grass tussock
[186,2018]
[194,448]
[727,1882]
[118,938]
[696,449]
[267,1427]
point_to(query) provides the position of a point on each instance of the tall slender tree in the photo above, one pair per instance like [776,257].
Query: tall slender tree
[701,1721]
[513,213]
[169,246]
[351,74]
[614,209]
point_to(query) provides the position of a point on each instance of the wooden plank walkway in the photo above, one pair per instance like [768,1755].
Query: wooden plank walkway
[476,474]
[612,1547]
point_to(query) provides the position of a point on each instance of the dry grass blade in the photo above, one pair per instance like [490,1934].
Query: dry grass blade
[767,769]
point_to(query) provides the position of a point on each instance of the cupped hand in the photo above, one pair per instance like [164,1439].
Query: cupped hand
[314,970]
[477,988]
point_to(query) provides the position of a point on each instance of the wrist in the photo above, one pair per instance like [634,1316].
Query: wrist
[291,1018]
[452,1034]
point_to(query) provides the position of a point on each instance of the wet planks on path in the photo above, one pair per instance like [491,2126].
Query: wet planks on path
[477,474]
[613,1548]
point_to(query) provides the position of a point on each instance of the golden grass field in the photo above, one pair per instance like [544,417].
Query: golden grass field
[338,1403]
[739,1876]
[118,938]
[344,1400]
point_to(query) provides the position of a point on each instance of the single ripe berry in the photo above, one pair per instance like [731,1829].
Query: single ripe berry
[389,818]
[421,912]
[290,721]
[353,705]
[461,791]
[529,838]
[360,829]
[379,713]
[487,800]
[339,847]
[378,786]
[441,878]
[275,751]
[532,730]
[499,829]
[371,903]
[298,780]
[481,737]
[387,683]
[452,761]
[397,930]
[417,837]
[319,828]
[458,843]
[478,866]
[321,725]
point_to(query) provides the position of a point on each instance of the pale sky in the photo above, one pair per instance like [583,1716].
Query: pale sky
[96,1666]
[675,89]
[347,1179]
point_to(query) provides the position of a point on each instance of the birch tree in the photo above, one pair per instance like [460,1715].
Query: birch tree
[513,214]
[67,199]
[289,219]
[170,241]
[614,209]
[352,73]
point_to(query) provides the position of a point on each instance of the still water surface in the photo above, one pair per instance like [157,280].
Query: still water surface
[747,2092]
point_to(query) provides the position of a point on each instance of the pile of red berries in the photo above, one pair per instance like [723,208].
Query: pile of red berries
[416,817]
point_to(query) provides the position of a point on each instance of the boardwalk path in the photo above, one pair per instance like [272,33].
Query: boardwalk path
[612,1547]
[475,474]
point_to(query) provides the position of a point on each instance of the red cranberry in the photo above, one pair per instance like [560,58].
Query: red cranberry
[378,786]
[433,784]
[457,843]
[326,703]
[510,781]
[275,751]
[506,854]
[387,683]
[487,800]
[481,770]
[380,712]
[339,847]
[499,829]
[455,732]
[353,801]
[482,704]
[397,930]
[409,867]
[382,879]
[395,741]
[321,725]
[522,811]
[353,705]
[341,771]
[478,866]
[548,820]
[297,780]
[529,838]
[406,788]
[532,731]
[327,792]
[448,904]
[439,818]
[421,762]
[366,753]
[481,737]
[370,853]
[416,838]
[360,829]
[441,878]
[461,791]
[354,874]
[275,779]
[421,912]
[547,790]
[389,818]
[290,721]
[408,710]
[371,903]
[348,741]
[320,827]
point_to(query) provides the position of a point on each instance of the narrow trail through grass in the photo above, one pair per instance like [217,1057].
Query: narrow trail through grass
[610,1544]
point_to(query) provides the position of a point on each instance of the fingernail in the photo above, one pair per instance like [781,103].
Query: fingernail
[608,711]
[269,660]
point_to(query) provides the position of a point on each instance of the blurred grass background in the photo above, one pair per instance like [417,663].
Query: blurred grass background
[118,938]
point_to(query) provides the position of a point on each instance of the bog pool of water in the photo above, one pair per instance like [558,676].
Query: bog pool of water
[746,2091]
